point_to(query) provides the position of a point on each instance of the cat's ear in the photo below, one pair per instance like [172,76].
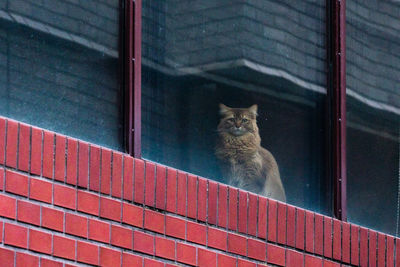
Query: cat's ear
[253,109]
[223,109]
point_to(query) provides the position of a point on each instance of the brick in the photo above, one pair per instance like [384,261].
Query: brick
[237,244]
[64,247]
[105,179]
[2,140]
[8,207]
[222,206]
[152,263]
[363,246]
[87,253]
[49,263]
[94,168]
[291,226]
[23,147]
[52,219]
[59,171]
[154,221]
[129,260]
[16,183]
[76,225]
[11,144]
[39,241]
[15,235]
[192,196]
[138,187]
[244,263]
[212,202]
[202,200]
[345,242]
[312,261]
[143,243]
[26,260]
[252,214]
[196,233]
[330,264]
[83,165]
[165,248]
[6,255]
[40,190]
[337,238]
[328,237]
[109,257]
[48,154]
[372,248]
[99,231]
[175,227]
[128,178]
[281,223]
[116,179]
[171,190]
[88,203]
[161,176]
[206,258]
[181,196]
[319,234]
[381,249]
[64,196]
[36,151]
[275,255]
[185,254]
[354,245]
[72,161]
[242,212]
[110,209]
[150,184]
[262,217]
[233,208]
[256,249]
[294,259]
[1,179]
[1,231]
[272,220]
[226,261]
[397,252]
[217,238]
[28,212]
[132,215]
[389,251]
[121,237]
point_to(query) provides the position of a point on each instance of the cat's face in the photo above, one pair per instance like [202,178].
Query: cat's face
[238,121]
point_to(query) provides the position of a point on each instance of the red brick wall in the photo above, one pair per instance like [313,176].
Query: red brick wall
[64,202]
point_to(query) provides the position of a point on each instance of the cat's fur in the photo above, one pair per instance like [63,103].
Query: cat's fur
[244,163]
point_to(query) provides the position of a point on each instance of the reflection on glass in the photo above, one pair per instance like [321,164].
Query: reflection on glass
[59,67]
[373,113]
[198,54]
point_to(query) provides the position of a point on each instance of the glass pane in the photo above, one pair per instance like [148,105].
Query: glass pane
[198,54]
[373,112]
[59,67]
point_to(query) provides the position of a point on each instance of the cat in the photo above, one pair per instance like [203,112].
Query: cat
[243,162]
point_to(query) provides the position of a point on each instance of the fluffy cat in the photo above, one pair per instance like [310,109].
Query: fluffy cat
[244,163]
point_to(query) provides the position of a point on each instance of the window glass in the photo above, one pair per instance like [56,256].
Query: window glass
[59,67]
[373,112]
[199,54]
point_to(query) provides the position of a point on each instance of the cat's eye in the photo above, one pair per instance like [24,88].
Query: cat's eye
[231,119]
[245,120]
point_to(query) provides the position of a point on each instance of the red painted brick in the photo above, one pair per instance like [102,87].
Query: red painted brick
[345,242]
[206,258]
[152,263]
[15,235]
[354,245]
[40,190]
[39,241]
[1,231]
[327,237]
[48,154]
[363,246]
[217,238]
[83,165]
[252,214]
[242,212]
[88,203]
[202,200]
[212,202]
[397,252]
[294,259]
[128,178]
[7,257]
[132,215]
[186,254]
[181,196]
[12,140]
[272,220]
[121,237]
[150,184]
[110,209]
[390,251]
[372,248]
[64,196]
[175,227]
[23,147]
[59,171]
[237,244]
[8,207]
[36,151]
[233,208]
[69,265]
[26,260]
[262,217]
[291,225]
[171,190]
[165,248]
[129,260]
[105,178]
[312,261]
[139,181]
[76,225]
[143,242]
[244,263]
[49,263]
[64,247]
[2,139]
[275,255]
[226,261]
[381,250]
[330,264]
[282,223]
[256,249]
[87,253]
[300,229]
[161,174]
[28,212]
[72,161]
[109,257]
[222,205]
[94,168]
[196,233]
[99,231]
[1,178]
[16,183]
[192,197]
[319,234]
[116,180]
[52,219]
[337,237]
[154,221]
